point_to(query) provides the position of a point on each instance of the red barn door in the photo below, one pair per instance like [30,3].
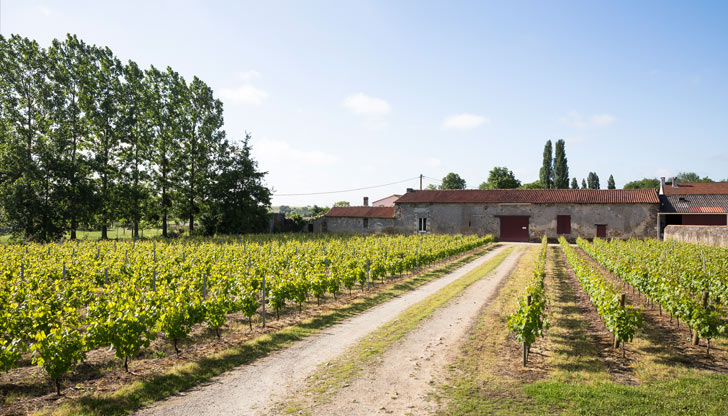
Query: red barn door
[514,228]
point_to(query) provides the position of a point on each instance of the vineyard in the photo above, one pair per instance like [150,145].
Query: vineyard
[688,281]
[529,321]
[60,301]
[620,319]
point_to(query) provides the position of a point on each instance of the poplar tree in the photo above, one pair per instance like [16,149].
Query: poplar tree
[199,141]
[561,167]
[593,180]
[583,184]
[610,183]
[574,184]
[69,86]
[24,179]
[546,176]
[104,111]
[136,135]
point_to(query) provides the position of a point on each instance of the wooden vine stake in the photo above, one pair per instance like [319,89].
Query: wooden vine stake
[525,345]
[616,335]
[696,337]
[263,302]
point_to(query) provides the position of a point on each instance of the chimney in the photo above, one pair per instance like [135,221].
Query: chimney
[674,182]
[662,181]
[366,201]
[410,190]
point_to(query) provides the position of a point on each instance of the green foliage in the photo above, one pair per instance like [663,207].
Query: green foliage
[86,141]
[593,180]
[645,183]
[501,177]
[610,183]
[691,177]
[574,184]
[622,321]
[532,185]
[583,184]
[342,204]
[238,198]
[60,313]
[452,181]
[561,166]
[673,274]
[546,174]
[529,321]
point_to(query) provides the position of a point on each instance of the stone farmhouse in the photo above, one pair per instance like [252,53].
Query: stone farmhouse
[528,214]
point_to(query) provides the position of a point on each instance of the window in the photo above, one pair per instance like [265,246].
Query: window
[366,222]
[563,224]
[423,225]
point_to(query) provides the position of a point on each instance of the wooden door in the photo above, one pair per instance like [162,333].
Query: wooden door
[514,228]
[601,230]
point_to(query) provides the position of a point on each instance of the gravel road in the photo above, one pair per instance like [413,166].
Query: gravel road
[253,389]
[407,373]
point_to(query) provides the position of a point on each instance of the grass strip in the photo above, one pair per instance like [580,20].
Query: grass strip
[185,376]
[330,376]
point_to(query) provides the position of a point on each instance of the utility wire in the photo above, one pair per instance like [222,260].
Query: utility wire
[349,190]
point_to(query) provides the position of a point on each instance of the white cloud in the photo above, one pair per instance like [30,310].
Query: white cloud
[279,152]
[366,105]
[464,121]
[44,10]
[577,120]
[249,75]
[246,94]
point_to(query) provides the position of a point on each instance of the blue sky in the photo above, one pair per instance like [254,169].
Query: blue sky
[349,94]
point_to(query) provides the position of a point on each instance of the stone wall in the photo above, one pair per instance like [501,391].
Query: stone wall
[352,225]
[707,234]
[622,220]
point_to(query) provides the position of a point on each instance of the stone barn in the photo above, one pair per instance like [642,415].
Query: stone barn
[507,214]
[528,214]
[693,203]
[356,220]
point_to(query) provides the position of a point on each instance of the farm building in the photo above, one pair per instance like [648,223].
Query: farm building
[694,203]
[356,220]
[386,202]
[508,214]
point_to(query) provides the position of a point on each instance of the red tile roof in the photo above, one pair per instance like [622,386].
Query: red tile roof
[361,212]
[534,196]
[703,210]
[696,188]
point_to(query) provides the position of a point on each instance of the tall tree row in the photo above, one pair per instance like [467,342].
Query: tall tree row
[86,141]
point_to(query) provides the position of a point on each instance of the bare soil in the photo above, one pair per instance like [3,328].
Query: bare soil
[620,368]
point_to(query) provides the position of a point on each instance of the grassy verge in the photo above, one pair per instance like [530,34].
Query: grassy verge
[572,378]
[185,376]
[332,375]
[480,381]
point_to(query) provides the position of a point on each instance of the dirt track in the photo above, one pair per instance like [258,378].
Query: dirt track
[408,373]
[255,388]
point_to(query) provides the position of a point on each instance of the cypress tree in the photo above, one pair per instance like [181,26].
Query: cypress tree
[583,183]
[561,167]
[610,182]
[574,184]
[546,176]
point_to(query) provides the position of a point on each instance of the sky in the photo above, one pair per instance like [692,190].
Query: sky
[341,95]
